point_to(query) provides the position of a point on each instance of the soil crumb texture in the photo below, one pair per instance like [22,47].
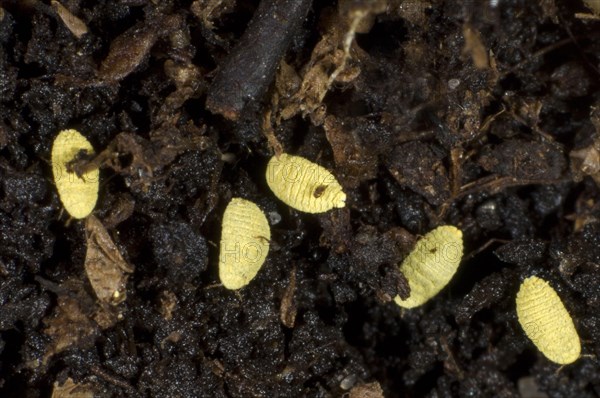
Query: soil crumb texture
[481,115]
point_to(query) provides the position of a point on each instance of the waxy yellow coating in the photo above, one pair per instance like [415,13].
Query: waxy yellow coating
[546,322]
[245,238]
[304,185]
[78,195]
[431,264]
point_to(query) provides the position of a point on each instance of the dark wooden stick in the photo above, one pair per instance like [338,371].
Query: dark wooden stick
[250,67]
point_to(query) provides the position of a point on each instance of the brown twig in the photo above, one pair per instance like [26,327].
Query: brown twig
[494,184]
[117,381]
[249,69]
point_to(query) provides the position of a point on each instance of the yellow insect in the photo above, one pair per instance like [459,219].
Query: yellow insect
[546,322]
[431,264]
[78,195]
[304,185]
[245,238]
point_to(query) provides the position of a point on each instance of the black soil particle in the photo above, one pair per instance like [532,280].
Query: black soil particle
[482,115]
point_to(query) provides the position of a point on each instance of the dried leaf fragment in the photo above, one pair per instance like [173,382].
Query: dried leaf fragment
[168,302]
[70,325]
[304,185]
[475,47]
[210,10]
[332,59]
[133,46]
[70,389]
[369,390]
[245,239]
[77,194]
[104,265]
[126,52]
[586,161]
[76,319]
[74,24]
[547,322]
[431,264]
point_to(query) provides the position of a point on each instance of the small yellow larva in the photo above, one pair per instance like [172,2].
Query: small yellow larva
[78,195]
[245,240]
[431,264]
[546,322]
[304,185]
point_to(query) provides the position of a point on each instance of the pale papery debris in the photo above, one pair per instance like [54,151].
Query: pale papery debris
[104,265]
[332,53]
[70,389]
[586,161]
[474,47]
[73,23]
[369,390]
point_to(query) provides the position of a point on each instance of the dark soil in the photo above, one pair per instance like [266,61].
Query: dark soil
[484,115]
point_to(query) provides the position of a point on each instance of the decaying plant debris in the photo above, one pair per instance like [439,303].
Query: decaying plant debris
[482,115]
[69,389]
[104,265]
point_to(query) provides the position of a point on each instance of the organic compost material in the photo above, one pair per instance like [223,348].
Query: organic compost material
[482,115]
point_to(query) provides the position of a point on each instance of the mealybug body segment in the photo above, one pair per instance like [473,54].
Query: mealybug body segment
[304,185]
[431,264]
[546,322]
[245,241]
[78,195]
